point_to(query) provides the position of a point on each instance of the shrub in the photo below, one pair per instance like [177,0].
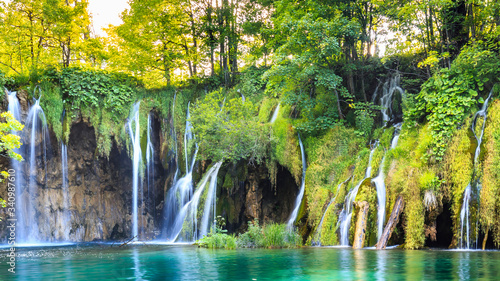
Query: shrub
[253,237]
[218,239]
[269,236]
[448,96]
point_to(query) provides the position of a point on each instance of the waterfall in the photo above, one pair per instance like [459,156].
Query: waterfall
[242,96]
[468,192]
[481,113]
[464,219]
[298,200]
[379,182]
[66,204]
[150,172]
[188,215]
[275,114]
[391,86]
[66,216]
[15,108]
[136,161]
[38,134]
[346,213]
[179,194]
[317,235]
[381,194]
[397,132]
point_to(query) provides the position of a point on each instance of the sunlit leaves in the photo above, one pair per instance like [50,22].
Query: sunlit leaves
[8,140]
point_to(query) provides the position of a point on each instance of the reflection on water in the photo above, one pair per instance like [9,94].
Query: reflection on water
[162,262]
[381,265]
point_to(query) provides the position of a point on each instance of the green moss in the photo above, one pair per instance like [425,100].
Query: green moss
[367,192]
[266,109]
[414,213]
[409,173]
[52,104]
[386,138]
[287,150]
[490,192]
[328,229]
[459,169]
[330,163]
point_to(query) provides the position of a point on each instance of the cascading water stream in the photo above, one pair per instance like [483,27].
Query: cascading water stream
[188,214]
[134,133]
[468,192]
[391,86]
[66,216]
[381,197]
[346,213]
[66,204]
[15,108]
[179,194]
[317,235]
[379,182]
[275,114]
[150,172]
[38,134]
[397,132]
[298,200]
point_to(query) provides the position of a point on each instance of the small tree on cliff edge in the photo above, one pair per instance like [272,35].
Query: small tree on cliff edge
[9,142]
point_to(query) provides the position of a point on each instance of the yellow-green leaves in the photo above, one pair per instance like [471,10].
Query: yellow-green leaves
[9,141]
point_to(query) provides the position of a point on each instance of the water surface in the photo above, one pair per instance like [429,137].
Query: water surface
[172,262]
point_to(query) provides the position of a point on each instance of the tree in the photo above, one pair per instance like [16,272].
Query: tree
[156,36]
[304,69]
[35,34]
[9,142]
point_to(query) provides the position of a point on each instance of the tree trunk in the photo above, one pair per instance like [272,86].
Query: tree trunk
[391,223]
[485,238]
[211,40]
[338,105]
[360,234]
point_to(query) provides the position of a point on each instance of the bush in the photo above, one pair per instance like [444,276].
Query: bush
[218,240]
[228,129]
[253,237]
[269,236]
[448,96]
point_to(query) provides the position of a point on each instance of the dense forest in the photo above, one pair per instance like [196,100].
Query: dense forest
[347,78]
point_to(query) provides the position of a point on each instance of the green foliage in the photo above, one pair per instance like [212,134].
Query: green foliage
[8,140]
[219,238]
[38,33]
[229,129]
[303,73]
[269,236]
[365,114]
[429,181]
[52,104]
[447,97]
[113,92]
[252,238]
[104,98]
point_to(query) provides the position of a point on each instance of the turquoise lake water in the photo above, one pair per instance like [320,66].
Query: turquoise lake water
[161,262]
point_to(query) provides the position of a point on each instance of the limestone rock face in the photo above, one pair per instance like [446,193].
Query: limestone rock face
[99,196]
[98,203]
[245,193]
